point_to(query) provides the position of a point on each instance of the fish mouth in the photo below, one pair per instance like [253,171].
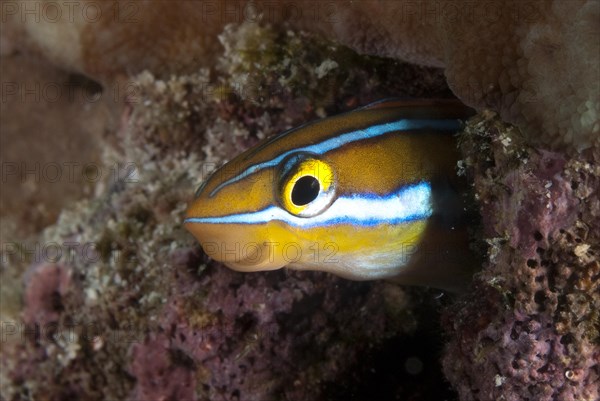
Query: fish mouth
[235,248]
[259,260]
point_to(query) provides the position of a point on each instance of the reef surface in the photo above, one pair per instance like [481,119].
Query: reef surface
[530,330]
[133,310]
[536,62]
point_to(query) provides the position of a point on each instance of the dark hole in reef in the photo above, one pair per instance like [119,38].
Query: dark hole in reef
[81,81]
[543,369]
[305,190]
[532,263]
[567,339]
[246,322]
[539,297]
[56,301]
[180,358]
[487,342]
[574,185]
[551,281]
[538,236]
[140,214]
[383,368]
[514,334]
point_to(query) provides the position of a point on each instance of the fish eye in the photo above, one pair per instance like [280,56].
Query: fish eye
[305,190]
[306,186]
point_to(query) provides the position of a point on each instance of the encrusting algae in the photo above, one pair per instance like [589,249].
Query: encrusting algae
[530,329]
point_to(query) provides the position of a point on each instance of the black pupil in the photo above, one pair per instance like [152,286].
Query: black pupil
[305,190]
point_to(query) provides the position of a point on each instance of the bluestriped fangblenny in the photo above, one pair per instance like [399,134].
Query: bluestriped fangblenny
[368,194]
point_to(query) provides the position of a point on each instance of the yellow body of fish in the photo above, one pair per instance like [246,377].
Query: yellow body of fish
[367,194]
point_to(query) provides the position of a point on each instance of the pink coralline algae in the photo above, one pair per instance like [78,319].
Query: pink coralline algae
[530,330]
[158,373]
[232,336]
[46,284]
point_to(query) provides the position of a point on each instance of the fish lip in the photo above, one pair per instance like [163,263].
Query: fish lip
[247,263]
[249,268]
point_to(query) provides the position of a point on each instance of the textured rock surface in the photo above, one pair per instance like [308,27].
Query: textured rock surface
[530,330]
[535,62]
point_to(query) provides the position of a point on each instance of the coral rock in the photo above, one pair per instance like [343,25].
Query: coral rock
[530,329]
[536,63]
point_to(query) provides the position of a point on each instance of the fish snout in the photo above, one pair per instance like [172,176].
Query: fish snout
[236,247]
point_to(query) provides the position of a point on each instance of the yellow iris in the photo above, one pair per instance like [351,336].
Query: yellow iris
[308,187]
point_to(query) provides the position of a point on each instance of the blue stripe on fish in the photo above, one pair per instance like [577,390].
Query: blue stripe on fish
[409,203]
[343,139]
